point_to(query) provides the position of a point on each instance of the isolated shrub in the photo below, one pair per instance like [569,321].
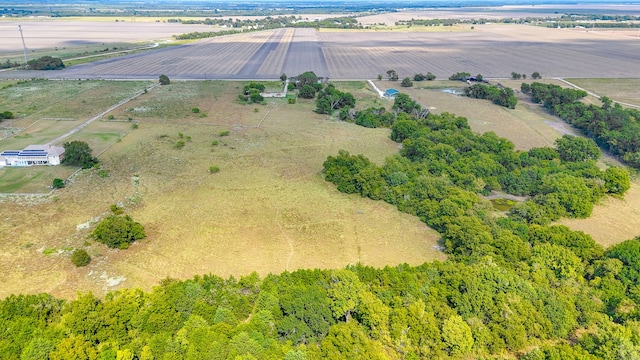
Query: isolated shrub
[80,258]
[224,133]
[195,110]
[214,143]
[419,77]
[179,144]
[214,169]
[6,115]
[536,75]
[283,77]
[58,183]
[110,117]
[291,100]
[406,82]
[118,231]
[164,80]
[430,76]
[116,210]
[103,173]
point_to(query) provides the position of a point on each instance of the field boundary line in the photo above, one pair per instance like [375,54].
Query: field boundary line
[594,94]
[265,115]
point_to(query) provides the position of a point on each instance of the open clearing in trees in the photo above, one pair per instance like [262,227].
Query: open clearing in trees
[494,50]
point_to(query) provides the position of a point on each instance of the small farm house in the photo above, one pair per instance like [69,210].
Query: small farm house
[32,155]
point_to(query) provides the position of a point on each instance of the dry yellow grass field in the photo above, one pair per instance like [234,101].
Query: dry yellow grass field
[267,210]
[623,90]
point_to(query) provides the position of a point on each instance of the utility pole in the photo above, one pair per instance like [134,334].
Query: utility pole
[24,46]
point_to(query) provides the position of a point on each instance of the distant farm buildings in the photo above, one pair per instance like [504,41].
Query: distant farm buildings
[32,155]
[391,93]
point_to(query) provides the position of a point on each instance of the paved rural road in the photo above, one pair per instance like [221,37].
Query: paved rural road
[100,115]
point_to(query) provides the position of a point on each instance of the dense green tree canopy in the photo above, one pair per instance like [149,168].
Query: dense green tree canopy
[577,148]
[78,153]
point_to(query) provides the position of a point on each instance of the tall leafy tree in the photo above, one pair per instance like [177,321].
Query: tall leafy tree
[577,148]
[78,153]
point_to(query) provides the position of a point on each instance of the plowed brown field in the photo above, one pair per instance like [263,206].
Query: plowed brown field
[491,50]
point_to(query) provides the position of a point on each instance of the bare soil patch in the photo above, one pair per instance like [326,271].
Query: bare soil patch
[493,50]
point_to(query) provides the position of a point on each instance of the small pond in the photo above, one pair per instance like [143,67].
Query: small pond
[453,91]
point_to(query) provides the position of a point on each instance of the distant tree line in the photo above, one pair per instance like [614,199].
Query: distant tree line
[9,64]
[207,34]
[239,26]
[428,22]
[613,127]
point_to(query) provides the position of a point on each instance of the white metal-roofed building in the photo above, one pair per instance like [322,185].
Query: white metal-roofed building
[32,155]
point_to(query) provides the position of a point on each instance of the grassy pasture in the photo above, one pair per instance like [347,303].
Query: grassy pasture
[267,210]
[31,180]
[48,109]
[624,90]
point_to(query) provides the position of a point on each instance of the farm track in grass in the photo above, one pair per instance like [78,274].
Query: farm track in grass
[267,210]
[493,50]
